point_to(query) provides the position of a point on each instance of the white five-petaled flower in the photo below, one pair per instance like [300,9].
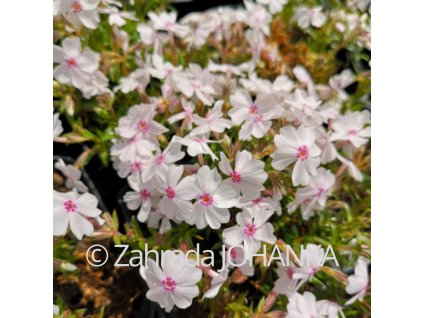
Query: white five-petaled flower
[251,230]
[73,176]
[79,12]
[57,126]
[313,197]
[138,79]
[174,283]
[285,284]
[165,21]
[306,306]
[75,67]
[176,193]
[142,197]
[248,175]
[72,210]
[198,83]
[161,160]
[352,127]
[297,145]
[311,257]
[196,145]
[256,116]
[274,6]
[213,199]
[359,282]
[212,122]
[309,16]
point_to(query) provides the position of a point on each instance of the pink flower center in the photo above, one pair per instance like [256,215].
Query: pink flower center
[253,109]
[160,159]
[137,166]
[70,206]
[352,132]
[258,118]
[71,62]
[250,229]
[197,139]
[235,177]
[76,7]
[290,273]
[170,192]
[257,200]
[144,126]
[234,253]
[206,199]
[302,153]
[169,284]
[145,194]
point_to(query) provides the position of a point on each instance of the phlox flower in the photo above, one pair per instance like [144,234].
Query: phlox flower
[142,197]
[274,6]
[311,257]
[186,115]
[352,127]
[340,81]
[236,255]
[137,79]
[216,283]
[196,145]
[248,175]
[118,17]
[159,220]
[285,284]
[257,17]
[251,230]
[212,122]
[75,66]
[72,210]
[128,168]
[97,84]
[166,21]
[139,122]
[161,160]
[297,145]
[73,176]
[79,12]
[359,282]
[306,306]
[162,69]
[305,108]
[213,200]
[309,16]
[313,197]
[176,193]
[132,149]
[57,126]
[174,283]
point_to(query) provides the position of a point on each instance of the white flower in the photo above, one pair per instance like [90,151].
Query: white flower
[75,67]
[137,79]
[252,229]
[199,85]
[161,160]
[257,17]
[257,116]
[306,306]
[285,284]
[359,282]
[159,220]
[80,12]
[311,258]
[341,81]
[236,255]
[165,21]
[352,127]
[305,107]
[274,6]
[313,197]
[73,176]
[185,115]
[196,145]
[174,283]
[57,126]
[139,122]
[306,16]
[142,197]
[71,210]
[162,69]
[132,149]
[216,283]
[213,200]
[117,17]
[297,145]
[212,122]
[247,177]
[177,193]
